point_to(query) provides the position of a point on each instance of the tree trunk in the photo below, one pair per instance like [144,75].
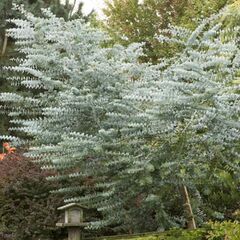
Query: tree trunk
[73,6]
[191,224]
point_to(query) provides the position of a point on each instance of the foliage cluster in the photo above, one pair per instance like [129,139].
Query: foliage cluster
[7,12]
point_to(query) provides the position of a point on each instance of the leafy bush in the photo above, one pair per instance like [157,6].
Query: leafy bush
[225,230]
[27,209]
[211,231]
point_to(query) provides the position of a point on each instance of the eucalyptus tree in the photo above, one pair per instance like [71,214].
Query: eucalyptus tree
[125,137]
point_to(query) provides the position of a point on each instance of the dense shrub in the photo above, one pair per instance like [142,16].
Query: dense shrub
[27,210]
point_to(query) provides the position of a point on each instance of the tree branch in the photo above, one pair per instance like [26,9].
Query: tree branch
[4,45]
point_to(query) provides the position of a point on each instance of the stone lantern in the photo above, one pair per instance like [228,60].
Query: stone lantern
[73,220]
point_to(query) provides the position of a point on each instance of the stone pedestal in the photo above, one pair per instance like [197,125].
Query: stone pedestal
[74,233]
[73,220]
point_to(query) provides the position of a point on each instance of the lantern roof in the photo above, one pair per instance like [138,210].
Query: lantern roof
[71,205]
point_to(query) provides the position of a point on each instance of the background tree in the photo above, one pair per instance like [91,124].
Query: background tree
[130,21]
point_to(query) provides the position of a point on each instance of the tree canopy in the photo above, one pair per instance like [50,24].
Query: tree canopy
[127,135]
[124,135]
